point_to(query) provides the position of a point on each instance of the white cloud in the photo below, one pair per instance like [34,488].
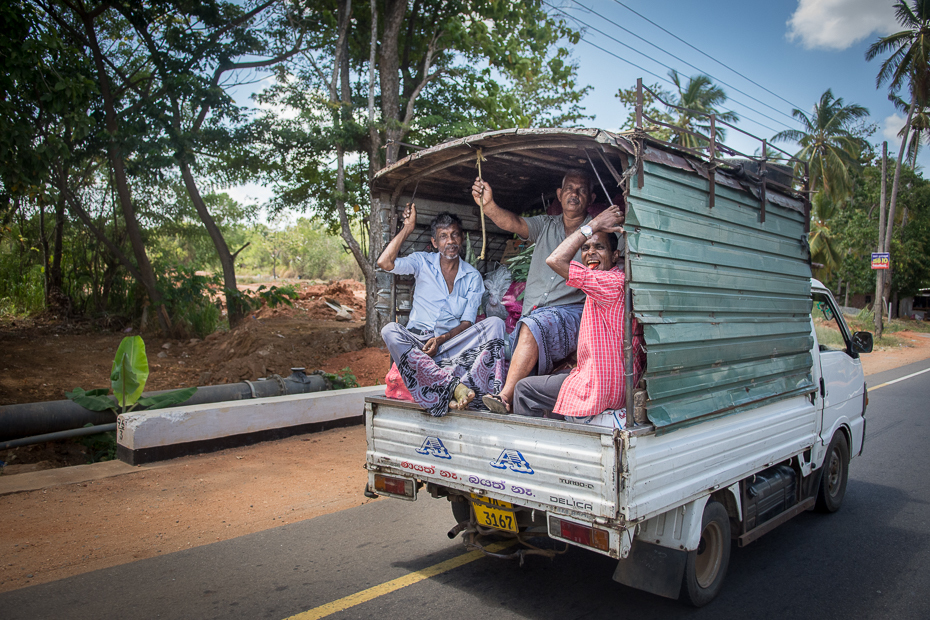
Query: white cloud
[892,125]
[837,24]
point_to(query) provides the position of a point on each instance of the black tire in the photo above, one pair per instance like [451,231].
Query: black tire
[835,475]
[706,566]
[461,510]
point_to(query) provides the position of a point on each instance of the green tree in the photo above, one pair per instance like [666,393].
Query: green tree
[651,109]
[699,96]
[106,42]
[377,76]
[919,129]
[199,52]
[829,144]
[854,230]
[908,66]
[177,233]
[48,105]
[822,239]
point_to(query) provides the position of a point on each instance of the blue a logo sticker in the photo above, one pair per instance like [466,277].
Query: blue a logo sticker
[433,447]
[513,460]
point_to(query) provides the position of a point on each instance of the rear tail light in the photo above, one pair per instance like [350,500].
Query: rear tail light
[393,486]
[581,534]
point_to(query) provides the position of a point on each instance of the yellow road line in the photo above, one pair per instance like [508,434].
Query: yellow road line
[919,372]
[401,582]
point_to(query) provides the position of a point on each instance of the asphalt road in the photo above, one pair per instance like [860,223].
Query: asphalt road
[869,560]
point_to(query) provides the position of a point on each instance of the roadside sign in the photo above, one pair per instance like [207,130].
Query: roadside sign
[881,260]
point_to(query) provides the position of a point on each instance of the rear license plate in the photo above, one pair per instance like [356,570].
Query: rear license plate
[489,514]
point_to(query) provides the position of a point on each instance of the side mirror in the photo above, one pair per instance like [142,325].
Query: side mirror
[862,342]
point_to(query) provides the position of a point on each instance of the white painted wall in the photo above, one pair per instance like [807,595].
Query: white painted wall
[165,427]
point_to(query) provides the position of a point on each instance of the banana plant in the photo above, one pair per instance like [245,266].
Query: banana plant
[127,380]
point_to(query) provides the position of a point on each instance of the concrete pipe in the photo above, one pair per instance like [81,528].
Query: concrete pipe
[35,419]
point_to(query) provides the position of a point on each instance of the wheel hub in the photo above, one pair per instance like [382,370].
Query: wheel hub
[709,555]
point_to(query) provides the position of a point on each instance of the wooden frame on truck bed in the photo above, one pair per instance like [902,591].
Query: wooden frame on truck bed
[717,261]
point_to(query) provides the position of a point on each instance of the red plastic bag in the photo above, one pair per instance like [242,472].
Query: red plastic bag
[513,305]
[394,386]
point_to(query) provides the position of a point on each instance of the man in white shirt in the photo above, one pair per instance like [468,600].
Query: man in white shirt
[444,358]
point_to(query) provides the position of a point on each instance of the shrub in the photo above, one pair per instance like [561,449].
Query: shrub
[342,380]
[189,298]
[22,292]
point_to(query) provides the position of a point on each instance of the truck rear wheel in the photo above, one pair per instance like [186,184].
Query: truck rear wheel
[835,475]
[707,565]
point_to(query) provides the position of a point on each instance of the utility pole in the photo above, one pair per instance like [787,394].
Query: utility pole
[879,305]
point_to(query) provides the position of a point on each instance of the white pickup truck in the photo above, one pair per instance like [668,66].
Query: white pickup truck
[754,393]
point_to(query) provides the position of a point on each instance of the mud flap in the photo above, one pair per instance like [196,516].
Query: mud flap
[652,568]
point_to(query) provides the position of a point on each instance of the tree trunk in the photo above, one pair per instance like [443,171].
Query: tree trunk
[56,279]
[390,77]
[373,322]
[897,175]
[119,176]
[878,306]
[46,258]
[374,136]
[234,306]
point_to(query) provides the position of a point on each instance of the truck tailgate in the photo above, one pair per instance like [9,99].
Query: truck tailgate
[540,464]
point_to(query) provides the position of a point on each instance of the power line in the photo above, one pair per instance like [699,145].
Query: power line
[774,120]
[607,19]
[656,75]
[708,55]
[580,21]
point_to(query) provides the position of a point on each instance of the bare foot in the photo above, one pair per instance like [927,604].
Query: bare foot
[461,397]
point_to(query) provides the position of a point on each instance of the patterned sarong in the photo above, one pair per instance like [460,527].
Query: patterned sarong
[555,329]
[475,358]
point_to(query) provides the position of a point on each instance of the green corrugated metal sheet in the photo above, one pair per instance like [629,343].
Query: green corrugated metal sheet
[724,299]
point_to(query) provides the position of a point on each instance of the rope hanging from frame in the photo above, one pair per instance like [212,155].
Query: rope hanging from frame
[484,235]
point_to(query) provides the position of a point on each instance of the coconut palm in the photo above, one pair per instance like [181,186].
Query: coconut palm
[822,240]
[907,66]
[920,126]
[699,95]
[827,143]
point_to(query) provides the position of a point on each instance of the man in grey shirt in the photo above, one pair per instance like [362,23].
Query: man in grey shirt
[547,331]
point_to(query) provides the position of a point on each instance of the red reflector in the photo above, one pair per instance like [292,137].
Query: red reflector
[575,532]
[583,535]
[395,486]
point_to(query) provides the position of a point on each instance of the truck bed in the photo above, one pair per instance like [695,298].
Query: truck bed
[588,472]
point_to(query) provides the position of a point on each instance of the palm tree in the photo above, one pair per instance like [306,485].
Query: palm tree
[908,65]
[920,126]
[831,149]
[699,95]
[822,240]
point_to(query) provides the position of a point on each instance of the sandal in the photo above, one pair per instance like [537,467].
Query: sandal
[495,403]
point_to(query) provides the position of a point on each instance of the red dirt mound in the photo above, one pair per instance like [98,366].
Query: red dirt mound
[348,293]
[368,365]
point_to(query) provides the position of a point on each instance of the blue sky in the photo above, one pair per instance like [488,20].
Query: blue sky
[795,48]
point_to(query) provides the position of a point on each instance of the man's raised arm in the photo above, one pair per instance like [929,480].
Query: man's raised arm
[609,221]
[511,222]
[389,255]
